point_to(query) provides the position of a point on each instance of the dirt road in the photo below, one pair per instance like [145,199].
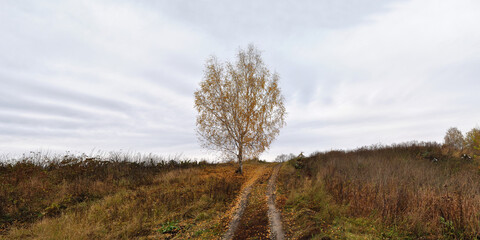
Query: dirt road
[276,230]
[254,215]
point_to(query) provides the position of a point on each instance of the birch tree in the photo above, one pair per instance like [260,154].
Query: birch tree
[454,139]
[240,106]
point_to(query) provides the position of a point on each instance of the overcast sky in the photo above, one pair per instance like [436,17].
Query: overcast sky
[120,75]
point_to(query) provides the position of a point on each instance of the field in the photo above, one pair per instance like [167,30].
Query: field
[407,191]
[113,198]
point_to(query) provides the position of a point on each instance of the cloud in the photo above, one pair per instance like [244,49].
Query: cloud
[121,75]
[404,74]
[93,72]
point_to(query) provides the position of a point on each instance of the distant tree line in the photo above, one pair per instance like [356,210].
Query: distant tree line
[285,157]
[288,157]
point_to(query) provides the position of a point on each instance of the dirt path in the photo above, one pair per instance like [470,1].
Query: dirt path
[255,215]
[276,230]
[242,201]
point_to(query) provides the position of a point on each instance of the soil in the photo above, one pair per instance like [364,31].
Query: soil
[255,215]
[273,214]
[254,223]
[239,208]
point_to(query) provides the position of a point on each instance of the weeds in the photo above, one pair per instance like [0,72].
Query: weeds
[170,227]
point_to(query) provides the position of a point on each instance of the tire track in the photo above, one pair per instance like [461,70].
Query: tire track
[241,205]
[276,230]
[274,219]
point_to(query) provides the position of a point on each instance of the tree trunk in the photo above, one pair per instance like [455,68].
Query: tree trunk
[240,156]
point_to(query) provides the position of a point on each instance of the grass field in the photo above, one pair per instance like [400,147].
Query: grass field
[380,192]
[74,198]
[394,192]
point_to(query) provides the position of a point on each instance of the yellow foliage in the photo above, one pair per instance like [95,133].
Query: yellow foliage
[240,106]
[472,142]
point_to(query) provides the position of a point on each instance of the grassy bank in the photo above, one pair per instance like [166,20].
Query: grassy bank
[407,191]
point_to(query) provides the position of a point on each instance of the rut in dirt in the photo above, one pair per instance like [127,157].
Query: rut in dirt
[256,216]
[254,222]
[274,218]
[241,206]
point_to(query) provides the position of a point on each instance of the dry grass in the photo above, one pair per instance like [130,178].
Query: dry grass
[35,187]
[93,199]
[180,203]
[385,192]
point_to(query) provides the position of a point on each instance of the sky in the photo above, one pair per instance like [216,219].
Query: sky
[100,75]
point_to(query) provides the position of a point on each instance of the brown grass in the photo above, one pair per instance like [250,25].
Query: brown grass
[398,190]
[113,197]
[180,204]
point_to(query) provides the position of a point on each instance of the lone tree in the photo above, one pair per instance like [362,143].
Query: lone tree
[240,106]
[454,139]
